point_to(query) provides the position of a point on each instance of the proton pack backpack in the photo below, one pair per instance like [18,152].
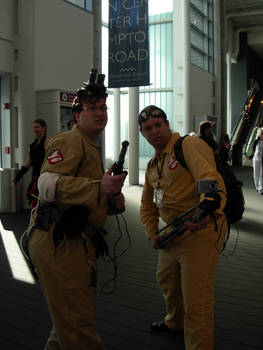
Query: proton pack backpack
[235,204]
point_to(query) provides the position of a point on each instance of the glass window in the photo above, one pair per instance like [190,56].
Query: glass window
[197,20]
[210,11]
[199,4]
[79,3]
[88,5]
[85,4]
[210,30]
[197,39]
[197,58]
[202,34]
[158,7]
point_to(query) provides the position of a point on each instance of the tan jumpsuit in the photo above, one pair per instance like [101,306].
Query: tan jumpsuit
[187,268]
[65,272]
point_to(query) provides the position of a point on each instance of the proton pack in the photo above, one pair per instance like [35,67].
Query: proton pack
[90,90]
[235,204]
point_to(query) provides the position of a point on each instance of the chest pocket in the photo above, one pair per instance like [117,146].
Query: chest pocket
[90,161]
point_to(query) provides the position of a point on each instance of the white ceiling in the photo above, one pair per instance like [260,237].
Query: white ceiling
[247,15]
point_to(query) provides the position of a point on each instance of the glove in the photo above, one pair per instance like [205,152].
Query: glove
[20,174]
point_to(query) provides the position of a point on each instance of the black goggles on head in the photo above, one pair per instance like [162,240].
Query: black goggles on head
[151,112]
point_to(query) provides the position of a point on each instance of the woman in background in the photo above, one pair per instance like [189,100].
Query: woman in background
[225,148]
[205,133]
[70,124]
[35,159]
[258,161]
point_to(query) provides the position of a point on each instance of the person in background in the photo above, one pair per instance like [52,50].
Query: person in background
[70,124]
[187,267]
[192,133]
[258,161]
[205,133]
[35,159]
[225,148]
[66,235]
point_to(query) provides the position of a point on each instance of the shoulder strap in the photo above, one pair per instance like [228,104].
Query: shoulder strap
[149,164]
[178,151]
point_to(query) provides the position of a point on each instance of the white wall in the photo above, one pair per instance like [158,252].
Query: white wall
[202,98]
[6,34]
[48,108]
[54,41]
[63,45]
[5,56]
[55,51]
[201,92]
[24,70]
[7,19]
[7,31]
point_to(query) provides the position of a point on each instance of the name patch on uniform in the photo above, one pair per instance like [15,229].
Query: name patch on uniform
[173,163]
[55,157]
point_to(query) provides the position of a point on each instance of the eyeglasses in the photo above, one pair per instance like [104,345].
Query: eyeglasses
[93,108]
[151,112]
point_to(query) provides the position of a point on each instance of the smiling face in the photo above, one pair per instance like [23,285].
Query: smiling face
[39,130]
[92,118]
[157,132]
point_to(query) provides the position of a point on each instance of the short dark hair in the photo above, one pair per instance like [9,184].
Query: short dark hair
[41,122]
[69,122]
[203,126]
[151,111]
[90,92]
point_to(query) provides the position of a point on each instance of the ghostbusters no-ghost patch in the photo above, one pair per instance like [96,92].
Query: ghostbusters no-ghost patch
[172,163]
[55,157]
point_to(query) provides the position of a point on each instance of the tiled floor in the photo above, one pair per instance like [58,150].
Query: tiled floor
[123,317]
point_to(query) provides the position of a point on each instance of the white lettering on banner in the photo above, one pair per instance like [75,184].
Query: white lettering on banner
[127,4]
[120,22]
[125,21]
[122,56]
[133,4]
[142,19]
[138,37]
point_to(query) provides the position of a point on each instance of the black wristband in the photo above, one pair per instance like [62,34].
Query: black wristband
[21,173]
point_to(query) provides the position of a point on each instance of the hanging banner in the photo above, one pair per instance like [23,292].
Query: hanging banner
[128,43]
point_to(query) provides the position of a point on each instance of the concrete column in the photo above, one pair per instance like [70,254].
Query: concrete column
[178,117]
[116,123]
[133,136]
[24,86]
[218,71]
[186,66]
[97,35]
[229,94]
[97,58]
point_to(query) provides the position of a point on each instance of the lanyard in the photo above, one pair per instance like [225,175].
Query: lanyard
[160,171]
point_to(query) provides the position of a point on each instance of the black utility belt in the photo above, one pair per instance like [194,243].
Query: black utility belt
[72,222]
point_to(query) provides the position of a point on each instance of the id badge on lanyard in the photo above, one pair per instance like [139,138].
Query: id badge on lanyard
[158,192]
[158,196]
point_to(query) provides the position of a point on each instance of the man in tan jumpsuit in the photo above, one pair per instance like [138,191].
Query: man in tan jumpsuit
[73,183]
[187,267]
